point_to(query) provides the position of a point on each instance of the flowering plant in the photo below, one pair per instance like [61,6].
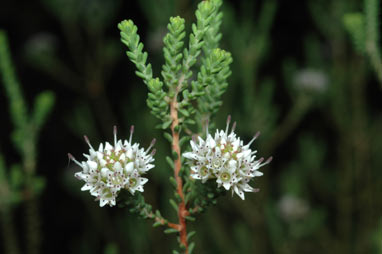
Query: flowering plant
[185,104]
[112,168]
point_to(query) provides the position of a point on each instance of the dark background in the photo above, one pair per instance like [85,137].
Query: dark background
[72,48]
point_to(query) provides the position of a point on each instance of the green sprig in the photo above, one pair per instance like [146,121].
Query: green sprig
[172,51]
[135,53]
[203,17]
[18,109]
[214,73]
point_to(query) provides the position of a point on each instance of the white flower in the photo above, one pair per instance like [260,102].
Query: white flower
[111,168]
[226,159]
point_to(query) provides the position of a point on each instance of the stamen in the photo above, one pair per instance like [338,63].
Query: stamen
[88,142]
[267,161]
[254,138]
[227,126]
[151,145]
[71,157]
[260,160]
[131,133]
[153,152]
[233,127]
[115,135]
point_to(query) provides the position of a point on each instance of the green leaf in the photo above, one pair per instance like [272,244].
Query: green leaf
[170,162]
[135,52]
[170,231]
[191,247]
[42,107]
[173,43]
[190,235]
[173,181]
[168,136]
[355,25]
[174,204]
[213,75]
[157,224]
[190,218]
[17,107]
[203,18]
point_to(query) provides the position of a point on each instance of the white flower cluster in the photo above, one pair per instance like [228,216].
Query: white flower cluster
[226,159]
[112,168]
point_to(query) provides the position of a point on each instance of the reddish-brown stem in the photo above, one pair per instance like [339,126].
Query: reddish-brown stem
[164,222]
[182,211]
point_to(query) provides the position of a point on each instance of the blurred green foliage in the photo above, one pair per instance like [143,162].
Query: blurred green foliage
[316,104]
[22,185]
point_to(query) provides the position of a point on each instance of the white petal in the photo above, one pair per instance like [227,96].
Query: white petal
[232,165]
[118,147]
[236,144]
[201,141]
[84,166]
[99,155]
[86,187]
[92,165]
[129,167]
[102,202]
[246,187]
[104,172]
[193,145]
[129,153]
[239,192]
[247,153]
[226,185]
[117,166]
[92,153]
[211,142]
[189,155]
[102,163]
[108,147]
[143,180]
[149,166]
[80,176]
[195,176]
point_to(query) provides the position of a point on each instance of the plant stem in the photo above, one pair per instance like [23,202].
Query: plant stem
[9,235]
[182,211]
[32,217]
[162,221]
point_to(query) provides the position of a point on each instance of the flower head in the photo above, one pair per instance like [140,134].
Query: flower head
[111,168]
[226,159]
